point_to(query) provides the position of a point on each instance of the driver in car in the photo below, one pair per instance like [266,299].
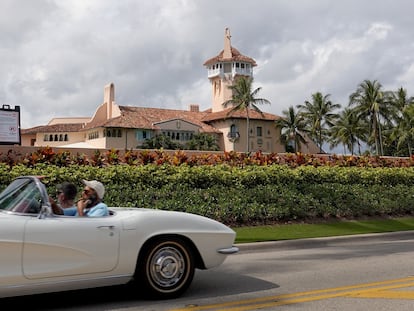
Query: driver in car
[65,197]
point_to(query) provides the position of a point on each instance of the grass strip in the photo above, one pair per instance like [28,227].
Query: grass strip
[325,229]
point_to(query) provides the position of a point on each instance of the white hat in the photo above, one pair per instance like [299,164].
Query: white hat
[97,186]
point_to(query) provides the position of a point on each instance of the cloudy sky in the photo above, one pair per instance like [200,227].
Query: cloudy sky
[57,55]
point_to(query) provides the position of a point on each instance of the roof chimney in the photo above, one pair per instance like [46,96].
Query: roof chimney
[109,97]
[194,108]
[227,44]
[109,93]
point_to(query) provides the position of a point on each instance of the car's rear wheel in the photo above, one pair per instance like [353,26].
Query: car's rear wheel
[167,268]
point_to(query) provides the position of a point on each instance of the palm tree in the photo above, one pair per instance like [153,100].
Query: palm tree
[244,98]
[160,141]
[371,104]
[319,114]
[203,141]
[400,100]
[348,131]
[403,132]
[292,126]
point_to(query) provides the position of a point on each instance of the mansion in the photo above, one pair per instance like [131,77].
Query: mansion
[127,127]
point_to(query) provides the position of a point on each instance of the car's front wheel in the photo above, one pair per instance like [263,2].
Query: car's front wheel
[166,268]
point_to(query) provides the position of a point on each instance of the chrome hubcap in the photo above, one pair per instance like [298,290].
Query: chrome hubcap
[167,267]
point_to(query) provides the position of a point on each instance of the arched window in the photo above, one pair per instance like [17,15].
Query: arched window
[233,134]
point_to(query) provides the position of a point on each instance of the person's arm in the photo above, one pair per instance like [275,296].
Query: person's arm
[55,208]
[82,204]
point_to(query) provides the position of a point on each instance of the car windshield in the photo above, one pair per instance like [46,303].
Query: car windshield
[22,196]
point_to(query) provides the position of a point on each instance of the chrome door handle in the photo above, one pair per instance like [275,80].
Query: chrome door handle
[109,227]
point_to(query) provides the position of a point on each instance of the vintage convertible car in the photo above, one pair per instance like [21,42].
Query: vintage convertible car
[157,251]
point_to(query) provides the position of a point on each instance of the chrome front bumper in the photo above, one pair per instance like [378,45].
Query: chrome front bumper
[228,251]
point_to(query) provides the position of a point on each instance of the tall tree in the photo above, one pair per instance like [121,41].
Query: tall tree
[244,98]
[403,132]
[348,131]
[319,115]
[292,128]
[371,104]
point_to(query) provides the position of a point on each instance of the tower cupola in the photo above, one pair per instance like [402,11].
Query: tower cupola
[224,68]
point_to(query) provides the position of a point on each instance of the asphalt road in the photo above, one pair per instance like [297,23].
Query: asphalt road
[367,272]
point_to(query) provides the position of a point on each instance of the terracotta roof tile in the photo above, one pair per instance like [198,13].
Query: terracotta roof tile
[236,56]
[55,128]
[146,118]
[239,114]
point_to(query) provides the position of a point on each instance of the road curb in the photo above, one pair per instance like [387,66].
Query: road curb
[319,242]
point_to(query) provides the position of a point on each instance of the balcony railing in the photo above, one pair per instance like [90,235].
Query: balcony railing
[233,136]
[235,71]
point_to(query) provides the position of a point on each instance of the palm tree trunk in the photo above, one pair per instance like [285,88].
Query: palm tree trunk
[247,129]
[320,141]
[380,139]
[247,133]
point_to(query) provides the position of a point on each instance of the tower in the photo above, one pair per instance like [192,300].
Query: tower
[224,68]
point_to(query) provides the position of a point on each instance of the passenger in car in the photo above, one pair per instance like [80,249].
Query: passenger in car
[65,195]
[90,203]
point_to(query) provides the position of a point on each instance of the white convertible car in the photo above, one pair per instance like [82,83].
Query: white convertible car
[158,251]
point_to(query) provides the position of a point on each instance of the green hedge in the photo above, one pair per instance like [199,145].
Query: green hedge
[240,196]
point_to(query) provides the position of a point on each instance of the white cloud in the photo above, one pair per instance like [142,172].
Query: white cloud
[57,56]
